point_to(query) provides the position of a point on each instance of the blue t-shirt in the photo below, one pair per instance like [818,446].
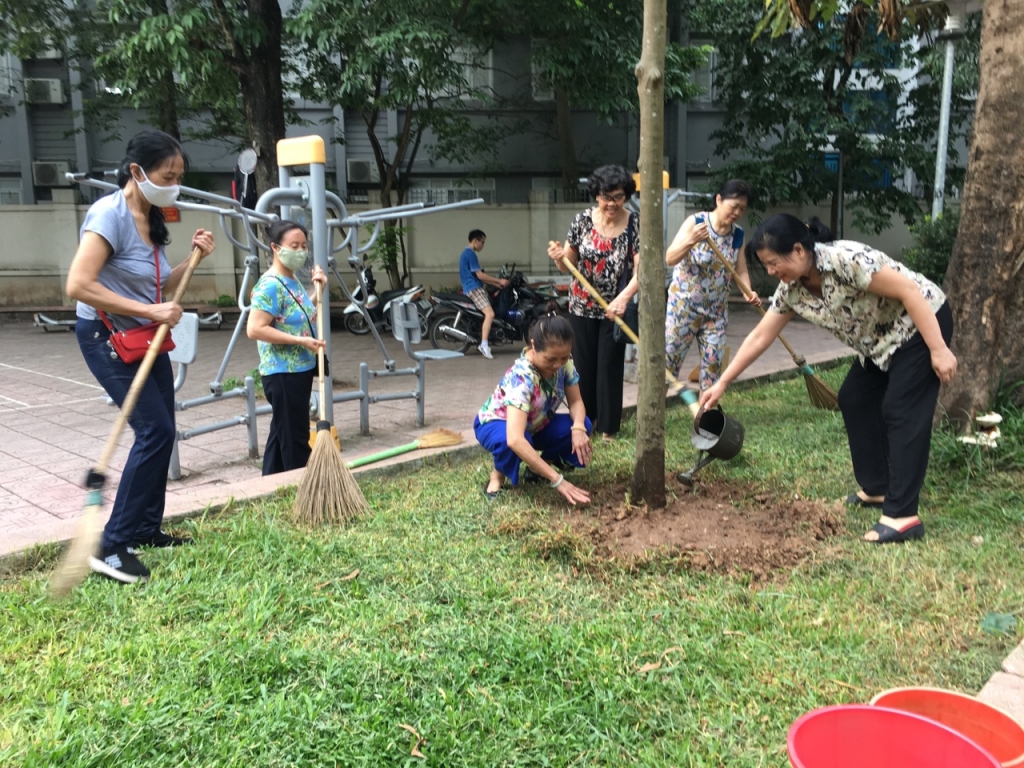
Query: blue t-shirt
[280,297]
[468,264]
[130,270]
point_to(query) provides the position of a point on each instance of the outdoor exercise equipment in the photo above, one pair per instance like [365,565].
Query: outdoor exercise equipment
[858,735]
[306,194]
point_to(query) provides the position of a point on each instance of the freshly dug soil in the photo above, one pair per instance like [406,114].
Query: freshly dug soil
[714,527]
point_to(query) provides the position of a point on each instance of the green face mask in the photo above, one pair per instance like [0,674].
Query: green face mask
[292,260]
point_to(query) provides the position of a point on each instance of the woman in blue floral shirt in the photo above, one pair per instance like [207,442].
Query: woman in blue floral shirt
[519,421]
[604,245]
[281,320]
[899,324]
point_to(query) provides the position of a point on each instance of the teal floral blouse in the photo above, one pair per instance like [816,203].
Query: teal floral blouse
[281,301]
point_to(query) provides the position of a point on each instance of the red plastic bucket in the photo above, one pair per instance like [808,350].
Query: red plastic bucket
[990,727]
[863,736]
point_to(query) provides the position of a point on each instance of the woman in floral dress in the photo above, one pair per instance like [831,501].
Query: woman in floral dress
[520,423]
[603,244]
[699,291]
[899,324]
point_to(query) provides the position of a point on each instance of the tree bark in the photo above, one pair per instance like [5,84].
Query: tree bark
[648,481]
[566,143]
[263,92]
[985,280]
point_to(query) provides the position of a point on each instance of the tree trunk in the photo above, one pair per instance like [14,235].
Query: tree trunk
[985,280]
[263,93]
[649,471]
[566,144]
[165,110]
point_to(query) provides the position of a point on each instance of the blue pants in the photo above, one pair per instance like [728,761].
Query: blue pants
[139,504]
[554,442]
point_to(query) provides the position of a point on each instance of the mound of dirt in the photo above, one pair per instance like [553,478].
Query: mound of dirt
[714,527]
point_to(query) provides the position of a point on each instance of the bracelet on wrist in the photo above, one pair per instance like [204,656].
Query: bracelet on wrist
[558,482]
[576,428]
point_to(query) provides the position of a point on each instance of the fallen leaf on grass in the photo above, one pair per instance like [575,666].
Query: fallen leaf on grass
[653,665]
[323,584]
[350,576]
[998,623]
[419,740]
[732,632]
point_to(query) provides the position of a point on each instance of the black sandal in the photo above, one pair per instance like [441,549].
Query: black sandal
[854,500]
[492,495]
[890,535]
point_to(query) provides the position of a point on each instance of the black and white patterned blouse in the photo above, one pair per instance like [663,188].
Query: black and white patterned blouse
[874,326]
[601,261]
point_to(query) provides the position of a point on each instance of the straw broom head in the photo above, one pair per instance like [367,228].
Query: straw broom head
[74,566]
[439,438]
[328,493]
[821,395]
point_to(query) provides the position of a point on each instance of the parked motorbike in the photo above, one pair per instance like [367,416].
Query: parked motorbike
[379,305]
[457,323]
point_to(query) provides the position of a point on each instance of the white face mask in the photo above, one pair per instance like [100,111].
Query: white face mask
[161,197]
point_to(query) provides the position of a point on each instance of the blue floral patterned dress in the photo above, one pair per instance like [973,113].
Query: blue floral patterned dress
[698,303]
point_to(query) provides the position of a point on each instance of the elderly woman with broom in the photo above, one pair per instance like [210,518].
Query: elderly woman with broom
[900,325]
[519,421]
[281,321]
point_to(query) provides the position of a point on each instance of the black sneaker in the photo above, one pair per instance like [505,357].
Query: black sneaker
[120,564]
[161,539]
[529,476]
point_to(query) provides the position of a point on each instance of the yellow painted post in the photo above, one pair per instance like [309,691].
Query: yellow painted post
[302,150]
[664,180]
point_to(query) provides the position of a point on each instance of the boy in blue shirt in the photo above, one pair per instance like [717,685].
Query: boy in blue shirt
[473,279]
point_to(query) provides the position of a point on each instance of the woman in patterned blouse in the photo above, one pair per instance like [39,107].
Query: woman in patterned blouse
[699,292]
[282,321]
[899,324]
[519,421]
[603,244]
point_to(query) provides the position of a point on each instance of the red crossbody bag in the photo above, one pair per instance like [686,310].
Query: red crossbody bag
[132,345]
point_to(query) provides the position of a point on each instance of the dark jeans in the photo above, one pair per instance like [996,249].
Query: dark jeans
[888,417]
[139,504]
[288,441]
[601,362]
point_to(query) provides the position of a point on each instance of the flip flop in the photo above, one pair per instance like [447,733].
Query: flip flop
[889,535]
[492,495]
[854,500]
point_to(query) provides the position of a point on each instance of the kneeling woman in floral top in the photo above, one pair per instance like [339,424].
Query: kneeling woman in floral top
[899,324]
[519,421]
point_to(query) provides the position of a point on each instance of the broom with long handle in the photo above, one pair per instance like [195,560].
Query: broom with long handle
[437,438]
[327,492]
[675,386]
[74,566]
[822,396]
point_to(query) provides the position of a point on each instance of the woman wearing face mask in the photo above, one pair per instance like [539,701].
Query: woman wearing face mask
[282,320]
[119,277]
[519,421]
[699,291]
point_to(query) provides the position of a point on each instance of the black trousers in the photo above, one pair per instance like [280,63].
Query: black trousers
[600,362]
[888,417]
[288,441]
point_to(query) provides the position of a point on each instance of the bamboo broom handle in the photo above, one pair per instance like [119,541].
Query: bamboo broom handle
[144,368]
[320,352]
[687,396]
[798,359]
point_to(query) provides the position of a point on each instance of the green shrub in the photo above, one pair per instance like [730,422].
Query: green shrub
[225,301]
[933,245]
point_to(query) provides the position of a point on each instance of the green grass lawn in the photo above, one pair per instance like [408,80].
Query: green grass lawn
[254,649]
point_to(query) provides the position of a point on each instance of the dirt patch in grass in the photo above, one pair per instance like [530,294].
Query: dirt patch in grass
[716,527]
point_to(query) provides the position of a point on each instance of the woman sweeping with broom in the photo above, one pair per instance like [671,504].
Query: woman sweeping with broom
[519,421]
[900,325]
[120,276]
[281,321]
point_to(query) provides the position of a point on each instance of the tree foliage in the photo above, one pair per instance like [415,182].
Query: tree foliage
[834,92]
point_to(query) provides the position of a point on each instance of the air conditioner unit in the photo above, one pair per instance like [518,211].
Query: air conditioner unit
[362,172]
[44,90]
[50,173]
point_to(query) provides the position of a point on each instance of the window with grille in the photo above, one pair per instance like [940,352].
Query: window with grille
[704,76]
[443,191]
[10,191]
